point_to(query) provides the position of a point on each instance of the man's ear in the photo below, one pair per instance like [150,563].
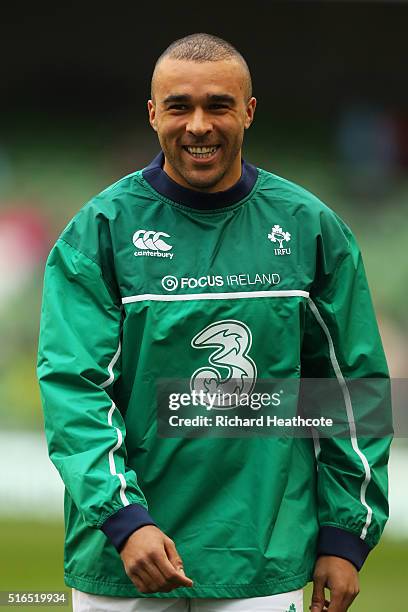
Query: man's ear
[152,114]
[250,112]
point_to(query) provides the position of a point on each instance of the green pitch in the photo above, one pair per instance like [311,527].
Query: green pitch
[31,559]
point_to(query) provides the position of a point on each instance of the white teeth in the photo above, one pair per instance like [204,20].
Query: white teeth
[201,151]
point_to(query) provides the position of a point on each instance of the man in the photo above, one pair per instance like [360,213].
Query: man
[201,250]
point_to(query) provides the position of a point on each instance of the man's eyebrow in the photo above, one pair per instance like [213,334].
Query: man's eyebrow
[174,98]
[214,98]
[227,98]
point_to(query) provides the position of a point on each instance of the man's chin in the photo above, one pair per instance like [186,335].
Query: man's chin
[200,179]
[203,183]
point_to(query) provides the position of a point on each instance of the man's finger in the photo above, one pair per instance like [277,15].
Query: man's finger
[144,581]
[172,553]
[176,562]
[340,600]
[137,582]
[158,580]
[173,576]
[318,598]
[167,577]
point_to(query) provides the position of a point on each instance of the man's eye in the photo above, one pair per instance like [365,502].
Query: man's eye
[178,107]
[218,106]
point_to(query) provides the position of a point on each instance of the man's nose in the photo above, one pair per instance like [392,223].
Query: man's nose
[198,123]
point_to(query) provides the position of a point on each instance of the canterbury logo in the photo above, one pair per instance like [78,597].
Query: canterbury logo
[151,240]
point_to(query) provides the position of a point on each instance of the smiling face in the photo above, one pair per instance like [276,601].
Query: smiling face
[200,111]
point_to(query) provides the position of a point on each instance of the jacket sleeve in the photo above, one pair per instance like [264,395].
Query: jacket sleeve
[78,363]
[342,341]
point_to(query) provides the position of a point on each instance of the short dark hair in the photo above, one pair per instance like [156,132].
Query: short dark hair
[203,47]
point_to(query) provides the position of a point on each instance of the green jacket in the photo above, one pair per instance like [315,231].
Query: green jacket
[153,282]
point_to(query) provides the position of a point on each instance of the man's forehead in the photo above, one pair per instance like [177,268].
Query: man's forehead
[179,77]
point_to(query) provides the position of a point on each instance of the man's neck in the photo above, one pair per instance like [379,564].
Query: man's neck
[157,178]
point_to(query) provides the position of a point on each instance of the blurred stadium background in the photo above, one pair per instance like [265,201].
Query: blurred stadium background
[332,89]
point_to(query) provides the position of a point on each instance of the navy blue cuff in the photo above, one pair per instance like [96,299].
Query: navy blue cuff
[124,522]
[342,543]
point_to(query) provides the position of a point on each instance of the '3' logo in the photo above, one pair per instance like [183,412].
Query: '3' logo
[231,341]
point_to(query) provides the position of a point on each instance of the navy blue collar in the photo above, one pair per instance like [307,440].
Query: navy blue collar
[161,182]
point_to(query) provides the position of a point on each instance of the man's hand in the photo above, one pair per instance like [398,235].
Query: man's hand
[152,563]
[340,577]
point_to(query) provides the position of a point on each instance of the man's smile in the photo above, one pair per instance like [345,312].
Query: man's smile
[202,153]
